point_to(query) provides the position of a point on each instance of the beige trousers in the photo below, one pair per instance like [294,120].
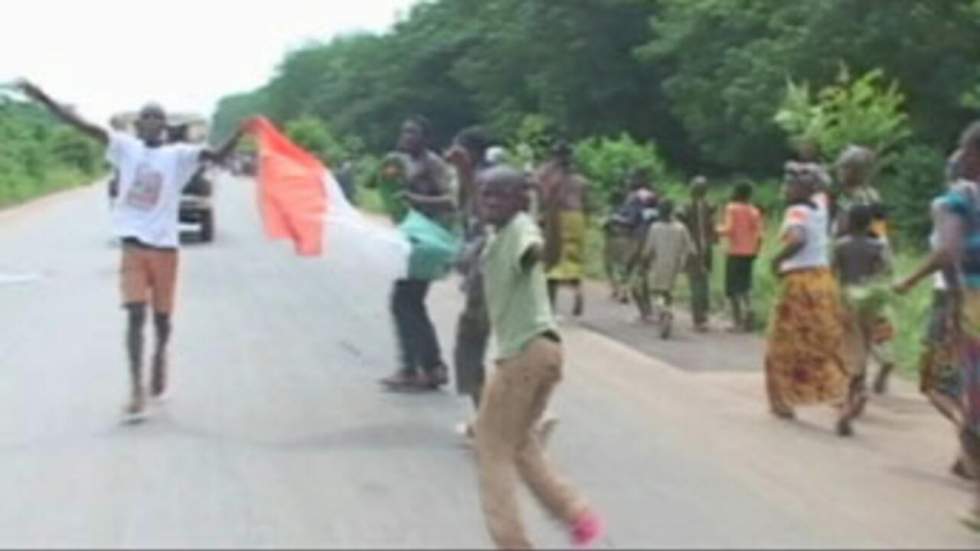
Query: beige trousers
[507,445]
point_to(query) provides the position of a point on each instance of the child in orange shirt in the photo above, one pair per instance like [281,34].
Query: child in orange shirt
[743,228]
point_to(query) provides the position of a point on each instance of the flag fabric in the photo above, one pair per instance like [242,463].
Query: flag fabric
[300,200]
[292,195]
[434,248]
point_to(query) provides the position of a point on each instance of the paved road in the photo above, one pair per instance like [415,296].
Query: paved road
[277,434]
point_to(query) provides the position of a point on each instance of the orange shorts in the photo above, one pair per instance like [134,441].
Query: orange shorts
[149,276]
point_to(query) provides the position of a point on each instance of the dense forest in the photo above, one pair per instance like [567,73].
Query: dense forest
[699,82]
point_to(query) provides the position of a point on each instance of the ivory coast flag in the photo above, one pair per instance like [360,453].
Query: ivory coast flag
[292,189]
[300,200]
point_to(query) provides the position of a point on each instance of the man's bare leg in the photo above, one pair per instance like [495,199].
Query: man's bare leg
[737,323]
[971,453]
[134,349]
[579,307]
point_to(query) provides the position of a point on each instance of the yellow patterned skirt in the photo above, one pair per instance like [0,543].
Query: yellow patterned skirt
[570,266]
[803,351]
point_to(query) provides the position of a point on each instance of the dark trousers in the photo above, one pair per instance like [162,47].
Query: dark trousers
[417,341]
[472,336]
[698,279]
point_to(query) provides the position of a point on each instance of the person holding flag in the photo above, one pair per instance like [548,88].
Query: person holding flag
[151,175]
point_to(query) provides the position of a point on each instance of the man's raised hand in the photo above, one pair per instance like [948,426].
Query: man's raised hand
[28,88]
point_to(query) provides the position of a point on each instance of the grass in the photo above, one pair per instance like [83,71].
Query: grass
[56,179]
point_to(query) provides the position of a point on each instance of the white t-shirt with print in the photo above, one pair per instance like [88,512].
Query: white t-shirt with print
[151,180]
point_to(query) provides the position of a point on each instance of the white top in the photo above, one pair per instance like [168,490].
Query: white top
[151,180]
[938,281]
[813,222]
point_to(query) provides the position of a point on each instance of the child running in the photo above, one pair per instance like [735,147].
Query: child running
[860,259]
[529,367]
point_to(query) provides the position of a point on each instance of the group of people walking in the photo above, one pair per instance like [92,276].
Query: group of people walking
[831,315]
[522,235]
[651,242]
[833,263]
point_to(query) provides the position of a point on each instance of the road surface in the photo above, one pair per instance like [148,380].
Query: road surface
[277,435]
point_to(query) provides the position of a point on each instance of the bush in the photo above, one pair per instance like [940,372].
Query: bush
[367,173]
[38,155]
[908,185]
[532,140]
[75,150]
[866,111]
[313,135]
[607,162]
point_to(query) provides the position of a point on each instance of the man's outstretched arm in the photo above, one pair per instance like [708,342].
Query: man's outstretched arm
[66,115]
[221,153]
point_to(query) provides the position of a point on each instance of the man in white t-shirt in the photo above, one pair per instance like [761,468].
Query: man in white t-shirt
[151,176]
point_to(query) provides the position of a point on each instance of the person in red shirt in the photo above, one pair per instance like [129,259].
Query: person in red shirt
[743,228]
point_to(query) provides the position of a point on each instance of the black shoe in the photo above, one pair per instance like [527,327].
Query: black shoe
[434,378]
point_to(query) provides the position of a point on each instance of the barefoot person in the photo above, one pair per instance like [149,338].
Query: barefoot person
[940,377]
[803,362]
[468,155]
[699,216]
[861,261]
[529,367]
[743,228]
[563,205]
[855,168]
[662,259]
[625,232]
[957,256]
[151,175]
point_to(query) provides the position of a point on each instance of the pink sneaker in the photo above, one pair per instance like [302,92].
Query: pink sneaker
[587,530]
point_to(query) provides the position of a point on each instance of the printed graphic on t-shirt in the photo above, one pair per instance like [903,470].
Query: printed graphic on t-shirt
[144,193]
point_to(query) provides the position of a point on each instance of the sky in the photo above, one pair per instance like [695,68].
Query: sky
[104,56]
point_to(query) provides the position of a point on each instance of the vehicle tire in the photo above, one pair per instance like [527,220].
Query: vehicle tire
[207,226]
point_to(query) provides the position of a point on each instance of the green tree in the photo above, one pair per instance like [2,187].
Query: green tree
[74,149]
[864,111]
[726,63]
[231,110]
[700,78]
[608,161]
[313,135]
[38,154]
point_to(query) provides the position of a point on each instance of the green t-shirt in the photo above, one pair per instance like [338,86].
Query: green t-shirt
[517,299]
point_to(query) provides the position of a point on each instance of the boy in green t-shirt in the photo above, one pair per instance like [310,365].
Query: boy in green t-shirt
[529,366]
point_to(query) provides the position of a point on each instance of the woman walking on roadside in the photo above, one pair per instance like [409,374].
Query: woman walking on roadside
[803,361]
[957,256]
